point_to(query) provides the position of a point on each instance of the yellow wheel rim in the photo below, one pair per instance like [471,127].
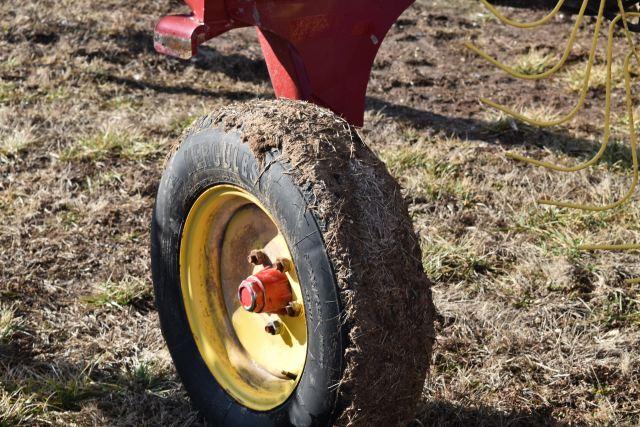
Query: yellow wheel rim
[258,370]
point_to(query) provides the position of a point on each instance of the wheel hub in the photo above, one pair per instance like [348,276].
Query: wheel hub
[267,291]
[253,337]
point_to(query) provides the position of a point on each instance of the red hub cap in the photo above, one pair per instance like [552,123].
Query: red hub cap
[267,291]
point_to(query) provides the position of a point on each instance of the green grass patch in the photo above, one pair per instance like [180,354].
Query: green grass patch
[10,64]
[180,123]
[533,62]
[68,393]
[498,122]
[124,102]
[145,375]
[424,177]
[128,292]
[110,143]
[560,227]
[34,396]
[449,262]
[574,76]
[19,408]
[621,309]
[69,218]
[9,323]
[525,301]
[58,94]
[7,92]
[15,142]
[402,159]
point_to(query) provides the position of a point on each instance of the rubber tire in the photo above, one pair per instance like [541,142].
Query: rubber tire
[207,158]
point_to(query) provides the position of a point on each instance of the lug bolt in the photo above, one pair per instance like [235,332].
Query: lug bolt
[274,327]
[258,257]
[289,375]
[282,264]
[293,309]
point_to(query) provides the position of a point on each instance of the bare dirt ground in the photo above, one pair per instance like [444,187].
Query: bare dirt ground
[530,329]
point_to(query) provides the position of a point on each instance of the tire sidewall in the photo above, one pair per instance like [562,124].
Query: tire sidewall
[211,157]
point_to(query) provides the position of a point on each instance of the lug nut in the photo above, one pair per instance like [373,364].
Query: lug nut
[289,375]
[282,264]
[293,309]
[258,257]
[273,327]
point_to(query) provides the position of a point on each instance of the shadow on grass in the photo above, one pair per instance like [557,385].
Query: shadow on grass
[232,95]
[502,132]
[54,389]
[528,4]
[58,389]
[131,43]
[571,6]
[440,413]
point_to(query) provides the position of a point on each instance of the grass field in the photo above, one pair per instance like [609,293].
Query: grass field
[530,329]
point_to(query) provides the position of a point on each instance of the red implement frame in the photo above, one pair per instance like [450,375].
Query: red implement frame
[320,51]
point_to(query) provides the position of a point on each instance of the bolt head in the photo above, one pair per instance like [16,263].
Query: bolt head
[282,264]
[293,309]
[274,327]
[258,257]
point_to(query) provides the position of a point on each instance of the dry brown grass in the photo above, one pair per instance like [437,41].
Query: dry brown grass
[531,331]
[529,326]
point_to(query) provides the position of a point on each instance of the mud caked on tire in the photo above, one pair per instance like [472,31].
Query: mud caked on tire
[367,302]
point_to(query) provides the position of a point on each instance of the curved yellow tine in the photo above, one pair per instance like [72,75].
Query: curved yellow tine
[634,154]
[625,247]
[517,24]
[627,32]
[614,248]
[583,94]
[607,117]
[545,74]
[624,16]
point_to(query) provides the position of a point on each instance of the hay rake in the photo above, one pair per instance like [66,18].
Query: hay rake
[284,261]
[620,14]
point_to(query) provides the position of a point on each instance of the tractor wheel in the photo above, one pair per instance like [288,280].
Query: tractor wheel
[287,275]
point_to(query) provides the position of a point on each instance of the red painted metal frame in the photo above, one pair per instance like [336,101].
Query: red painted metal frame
[320,51]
